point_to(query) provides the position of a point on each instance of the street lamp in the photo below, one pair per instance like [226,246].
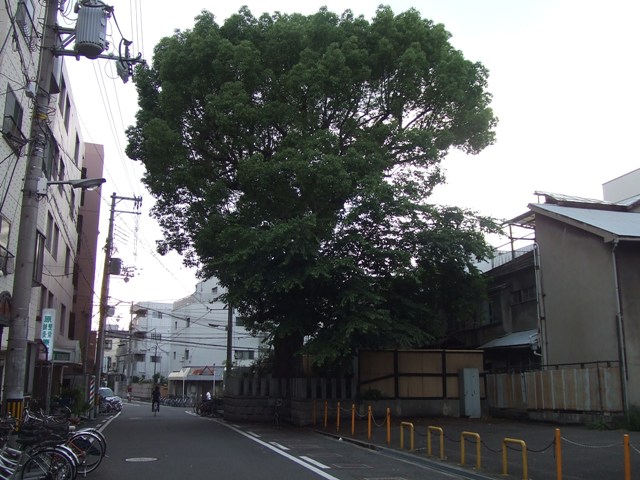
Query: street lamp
[35,185]
[83,183]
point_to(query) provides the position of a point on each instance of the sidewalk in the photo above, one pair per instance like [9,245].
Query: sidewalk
[585,453]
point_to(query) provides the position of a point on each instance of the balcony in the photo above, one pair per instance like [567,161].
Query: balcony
[6,261]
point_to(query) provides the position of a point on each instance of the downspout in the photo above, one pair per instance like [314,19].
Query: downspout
[620,324]
[542,317]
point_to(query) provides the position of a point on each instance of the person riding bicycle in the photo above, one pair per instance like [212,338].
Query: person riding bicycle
[155,399]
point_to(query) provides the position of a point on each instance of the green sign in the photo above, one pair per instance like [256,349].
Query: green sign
[48,329]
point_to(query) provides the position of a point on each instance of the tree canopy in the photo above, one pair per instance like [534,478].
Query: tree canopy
[292,157]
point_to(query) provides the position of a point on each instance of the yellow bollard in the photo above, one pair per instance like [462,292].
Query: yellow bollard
[338,418]
[388,426]
[477,438]
[313,413]
[411,433]
[505,468]
[627,458]
[369,422]
[326,414]
[558,455]
[441,432]
[353,419]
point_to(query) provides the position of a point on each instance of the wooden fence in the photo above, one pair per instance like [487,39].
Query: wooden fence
[594,388]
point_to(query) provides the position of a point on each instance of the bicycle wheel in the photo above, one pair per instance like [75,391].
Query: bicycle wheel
[100,436]
[88,449]
[49,464]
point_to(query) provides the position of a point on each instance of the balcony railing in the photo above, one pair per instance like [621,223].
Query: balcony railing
[6,261]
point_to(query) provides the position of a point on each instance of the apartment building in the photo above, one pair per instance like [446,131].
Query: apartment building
[186,342]
[58,273]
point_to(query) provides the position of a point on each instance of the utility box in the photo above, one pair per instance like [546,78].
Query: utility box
[469,391]
[91,28]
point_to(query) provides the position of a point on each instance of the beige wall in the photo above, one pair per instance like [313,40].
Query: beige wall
[628,263]
[579,294]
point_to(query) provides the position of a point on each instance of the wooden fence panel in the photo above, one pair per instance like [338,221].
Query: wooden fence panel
[568,389]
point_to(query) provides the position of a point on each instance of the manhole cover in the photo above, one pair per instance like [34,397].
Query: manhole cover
[141,459]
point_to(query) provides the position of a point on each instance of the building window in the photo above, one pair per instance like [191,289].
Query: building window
[155,336]
[186,354]
[72,204]
[240,321]
[62,97]
[49,232]
[55,241]
[155,358]
[72,326]
[79,226]
[50,157]
[25,21]
[61,174]
[12,122]
[76,152]
[82,175]
[5,229]
[38,258]
[525,295]
[155,314]
[67,113]
[188,319]
[108,344]
[63,318]
[67,261]
[244,354]
[6,258]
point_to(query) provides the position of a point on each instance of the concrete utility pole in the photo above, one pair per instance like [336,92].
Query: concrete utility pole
[229,339]
[104,292]
[15,379]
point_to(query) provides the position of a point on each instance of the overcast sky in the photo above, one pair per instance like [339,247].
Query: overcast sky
[564,77]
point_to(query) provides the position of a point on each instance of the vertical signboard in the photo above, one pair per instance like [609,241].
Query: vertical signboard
[48,327]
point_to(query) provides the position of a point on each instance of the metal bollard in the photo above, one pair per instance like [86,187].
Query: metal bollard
[411,433]
[441,432]
[477,438]
[525,474]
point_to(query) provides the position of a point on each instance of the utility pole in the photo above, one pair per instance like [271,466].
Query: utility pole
[229,339]
[104,292]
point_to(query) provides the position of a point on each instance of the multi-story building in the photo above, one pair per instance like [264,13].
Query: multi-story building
[200,331]
[187,342]
[58,140]
[146,354]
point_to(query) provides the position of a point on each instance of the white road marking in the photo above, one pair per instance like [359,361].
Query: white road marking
[281,447]
[313,462]
[302,463]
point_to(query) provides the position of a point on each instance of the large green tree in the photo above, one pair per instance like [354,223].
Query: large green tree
[292,157]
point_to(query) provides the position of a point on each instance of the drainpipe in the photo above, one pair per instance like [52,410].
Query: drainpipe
[620,324]
[542,316]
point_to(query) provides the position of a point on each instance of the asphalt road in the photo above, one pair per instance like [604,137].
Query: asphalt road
[176,444]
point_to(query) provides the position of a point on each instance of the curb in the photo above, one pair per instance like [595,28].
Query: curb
[406,456]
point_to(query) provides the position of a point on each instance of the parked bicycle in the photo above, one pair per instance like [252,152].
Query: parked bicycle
[38,430]
[209,408]
[56,462]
